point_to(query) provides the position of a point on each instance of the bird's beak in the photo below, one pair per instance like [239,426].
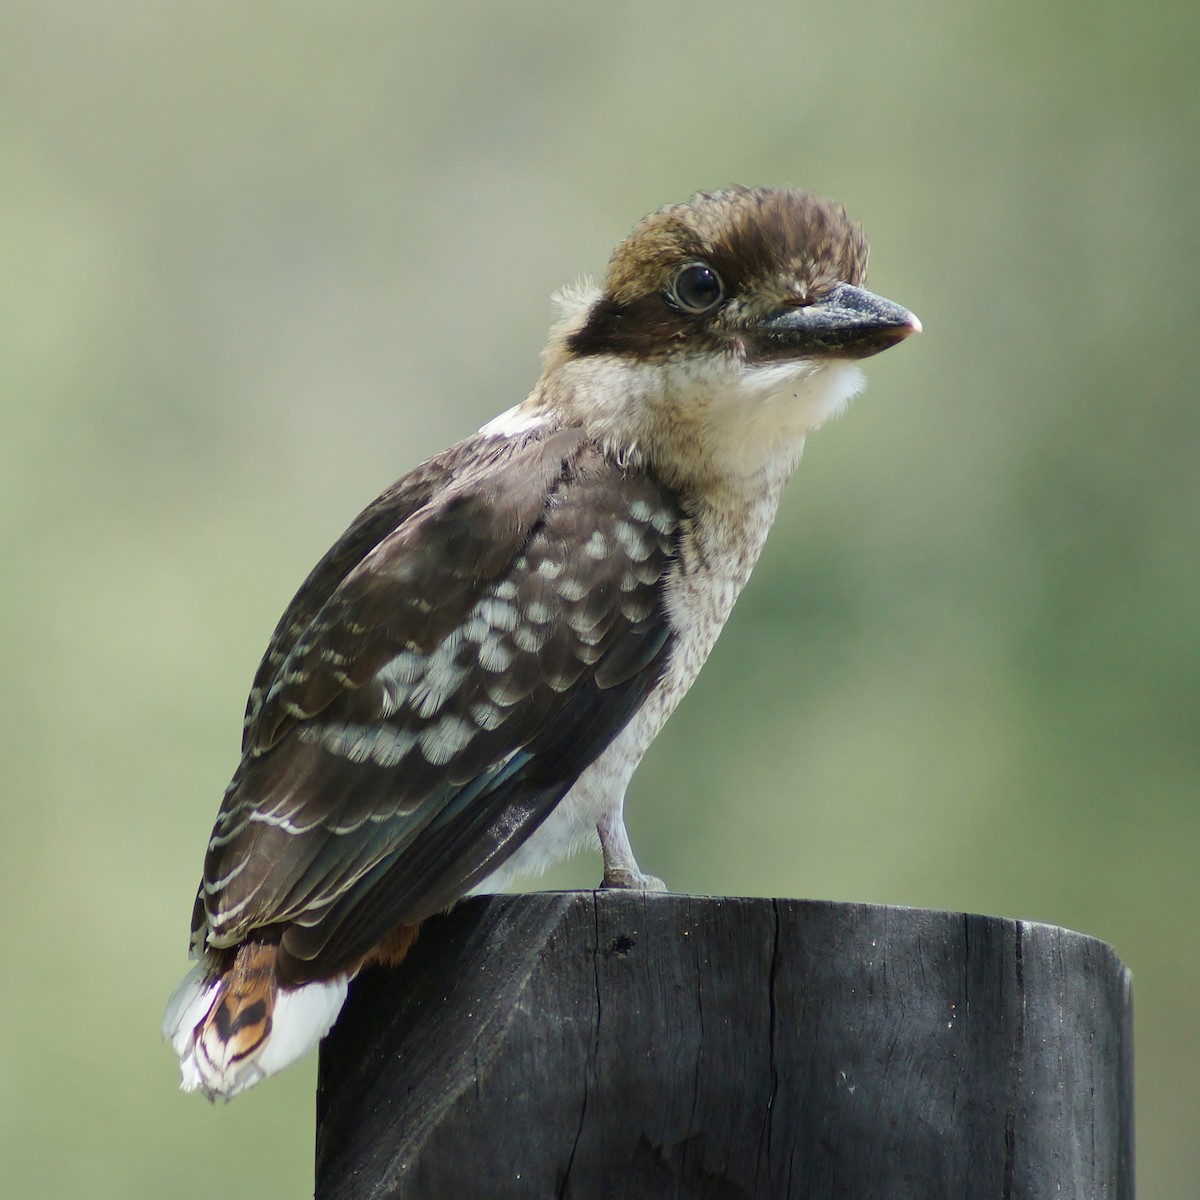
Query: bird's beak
[847,322]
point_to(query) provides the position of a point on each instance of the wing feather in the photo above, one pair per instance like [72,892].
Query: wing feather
[441,680]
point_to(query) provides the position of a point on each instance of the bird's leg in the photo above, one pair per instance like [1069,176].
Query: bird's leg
[620,867]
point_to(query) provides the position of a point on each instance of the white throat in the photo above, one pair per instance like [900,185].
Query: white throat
[706,420]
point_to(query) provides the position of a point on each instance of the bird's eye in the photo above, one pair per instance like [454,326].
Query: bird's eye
[697,288]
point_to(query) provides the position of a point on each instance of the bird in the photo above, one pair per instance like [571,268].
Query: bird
[462,688]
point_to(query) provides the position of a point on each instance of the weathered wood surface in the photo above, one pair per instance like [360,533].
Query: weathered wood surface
[613,1045]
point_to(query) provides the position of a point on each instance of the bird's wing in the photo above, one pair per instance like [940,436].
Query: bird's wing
[441,700]
[382,517]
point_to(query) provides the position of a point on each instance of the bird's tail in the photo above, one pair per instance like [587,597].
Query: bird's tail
[233,1027]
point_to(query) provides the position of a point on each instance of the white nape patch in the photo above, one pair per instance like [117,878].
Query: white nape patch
[571,306]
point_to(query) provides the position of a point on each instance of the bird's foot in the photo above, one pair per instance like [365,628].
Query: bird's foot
[622,877]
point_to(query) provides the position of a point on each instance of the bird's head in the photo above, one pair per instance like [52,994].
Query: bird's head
[729,322]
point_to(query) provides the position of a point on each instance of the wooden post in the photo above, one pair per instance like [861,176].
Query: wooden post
[598,1046]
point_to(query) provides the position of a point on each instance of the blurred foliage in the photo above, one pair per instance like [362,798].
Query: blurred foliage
[260,259]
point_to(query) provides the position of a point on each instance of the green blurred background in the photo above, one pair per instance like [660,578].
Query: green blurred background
[258,260]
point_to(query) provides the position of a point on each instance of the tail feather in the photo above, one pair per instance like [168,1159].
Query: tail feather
[233,1022]
[233,1029]
[240,1019]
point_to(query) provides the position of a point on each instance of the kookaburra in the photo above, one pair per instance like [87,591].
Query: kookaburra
[462,688]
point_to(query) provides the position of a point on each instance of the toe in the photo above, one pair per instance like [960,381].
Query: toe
[632,880]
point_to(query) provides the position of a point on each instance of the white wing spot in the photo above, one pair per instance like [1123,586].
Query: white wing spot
[405,668]
[488,716]
[441,742]
[359,750]
[443,677]
[633,538]
[495,655]
[498,615]
[572,590]
[476,628]
[530,638]
[537,612]
[352,741]
[391,745]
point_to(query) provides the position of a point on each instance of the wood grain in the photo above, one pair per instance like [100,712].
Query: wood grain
[614,1045]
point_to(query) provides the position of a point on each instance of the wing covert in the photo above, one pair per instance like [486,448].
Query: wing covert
[441,700]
